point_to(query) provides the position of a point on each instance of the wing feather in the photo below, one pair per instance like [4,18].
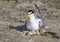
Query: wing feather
[39,13]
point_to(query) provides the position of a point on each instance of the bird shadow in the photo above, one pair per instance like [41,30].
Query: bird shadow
[19,28]
[53,34]
[23,28]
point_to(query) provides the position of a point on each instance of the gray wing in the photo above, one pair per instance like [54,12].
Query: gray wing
[25,22]
[41,23]
[39,13]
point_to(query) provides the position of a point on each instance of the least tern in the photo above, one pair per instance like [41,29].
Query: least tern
[33,22]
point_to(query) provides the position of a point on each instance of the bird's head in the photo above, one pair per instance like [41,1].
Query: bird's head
[29,13]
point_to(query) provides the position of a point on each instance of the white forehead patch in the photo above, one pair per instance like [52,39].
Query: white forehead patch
[29,12]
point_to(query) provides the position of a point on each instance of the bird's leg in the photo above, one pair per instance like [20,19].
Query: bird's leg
[37,32]
[32,32]
[29,33]
[42,31]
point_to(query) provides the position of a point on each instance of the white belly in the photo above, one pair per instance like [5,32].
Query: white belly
[33,24]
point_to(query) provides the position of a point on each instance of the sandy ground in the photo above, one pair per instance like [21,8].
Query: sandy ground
[12,13]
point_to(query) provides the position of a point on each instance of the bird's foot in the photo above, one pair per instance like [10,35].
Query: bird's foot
[31,33]
[42,31]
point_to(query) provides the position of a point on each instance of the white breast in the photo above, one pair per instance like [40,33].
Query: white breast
[32,23]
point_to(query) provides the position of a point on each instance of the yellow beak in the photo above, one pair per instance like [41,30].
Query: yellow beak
[28,15]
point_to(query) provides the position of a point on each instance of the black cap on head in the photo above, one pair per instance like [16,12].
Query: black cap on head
[31,11]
